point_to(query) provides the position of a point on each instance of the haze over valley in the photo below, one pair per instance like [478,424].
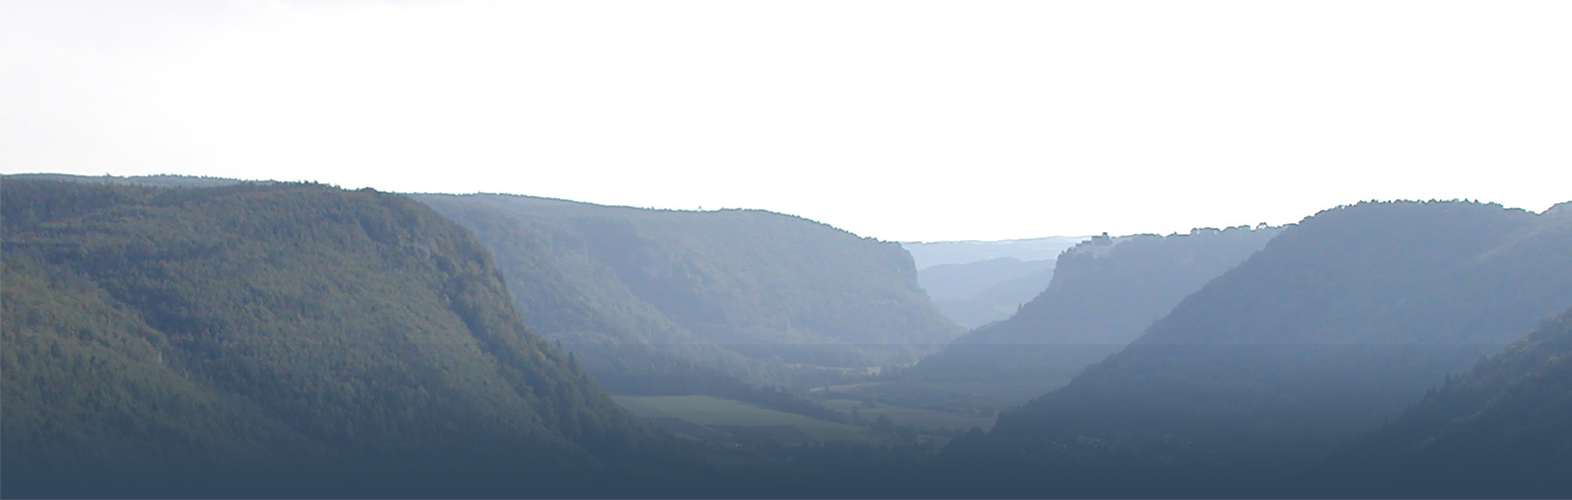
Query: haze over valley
[475,249]
[304,340]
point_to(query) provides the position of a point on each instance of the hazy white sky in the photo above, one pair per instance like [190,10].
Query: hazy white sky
[902,120]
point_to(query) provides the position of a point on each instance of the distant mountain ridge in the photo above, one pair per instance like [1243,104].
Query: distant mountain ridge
[955,281]
[977,293]
[977,282]
[929,254]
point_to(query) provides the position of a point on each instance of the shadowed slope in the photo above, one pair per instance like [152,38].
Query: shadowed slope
[299,339]
[1339,322]
[1499,430]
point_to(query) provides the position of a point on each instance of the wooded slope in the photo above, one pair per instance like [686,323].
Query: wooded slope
[283,339]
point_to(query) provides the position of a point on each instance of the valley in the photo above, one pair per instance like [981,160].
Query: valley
[879,249]
[302,339]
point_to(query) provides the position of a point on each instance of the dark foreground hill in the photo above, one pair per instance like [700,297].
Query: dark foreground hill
[1340,322]
[1104,293]
[284,340]
[1504,428]
[770,297]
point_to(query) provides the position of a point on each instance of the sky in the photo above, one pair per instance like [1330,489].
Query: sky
[902,120]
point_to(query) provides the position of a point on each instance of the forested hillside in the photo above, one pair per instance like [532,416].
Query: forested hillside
[766,296]
[1500,429]
[283,340]
[1104,293]
[277,339]
[1340,322]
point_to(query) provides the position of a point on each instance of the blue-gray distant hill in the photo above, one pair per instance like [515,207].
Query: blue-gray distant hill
[1343,320]
[1104,293]
[284,340]
[765,296]
[977,282]
[934,253]
[959,281]
[977,293]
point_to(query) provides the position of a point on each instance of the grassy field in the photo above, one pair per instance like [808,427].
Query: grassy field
[712,411]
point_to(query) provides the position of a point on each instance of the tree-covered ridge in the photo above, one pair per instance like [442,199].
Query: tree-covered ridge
[161,180]
[283,336]
[1104,293]
[725,286]
[1339,322]
[1502,428]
